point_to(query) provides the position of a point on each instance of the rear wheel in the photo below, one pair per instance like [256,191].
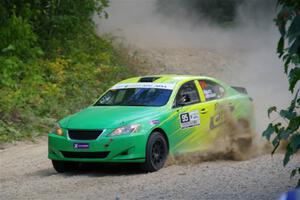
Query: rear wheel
[64,166]
[156,152]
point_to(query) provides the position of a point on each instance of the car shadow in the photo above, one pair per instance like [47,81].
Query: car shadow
[95,169]
[109,169]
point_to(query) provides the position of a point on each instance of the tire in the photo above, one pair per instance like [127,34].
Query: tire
[156,152]
[64,166]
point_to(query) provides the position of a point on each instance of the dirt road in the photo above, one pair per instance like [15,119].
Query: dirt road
[26,173]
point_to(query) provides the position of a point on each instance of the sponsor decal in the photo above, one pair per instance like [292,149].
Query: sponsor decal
[209,94]
[167,86]
[154,122]
[81,145]
[189,119]
[217,120]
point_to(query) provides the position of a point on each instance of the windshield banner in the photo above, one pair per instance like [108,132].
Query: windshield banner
[167,86]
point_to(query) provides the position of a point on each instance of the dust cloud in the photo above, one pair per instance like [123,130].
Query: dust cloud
[235,141]
[249,45]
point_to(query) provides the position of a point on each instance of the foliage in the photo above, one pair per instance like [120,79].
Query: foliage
[288,22]
[51,63]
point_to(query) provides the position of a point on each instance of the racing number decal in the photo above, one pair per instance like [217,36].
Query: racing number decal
[184,117]
[189,119]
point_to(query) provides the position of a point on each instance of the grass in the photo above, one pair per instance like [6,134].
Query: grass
[50,87]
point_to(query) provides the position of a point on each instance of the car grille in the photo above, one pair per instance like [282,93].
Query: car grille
[68,154]
[84,134]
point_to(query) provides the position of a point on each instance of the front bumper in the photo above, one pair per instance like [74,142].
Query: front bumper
[129,148]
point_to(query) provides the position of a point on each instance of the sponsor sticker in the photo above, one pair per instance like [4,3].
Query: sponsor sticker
[154,122]
[209,94]
[217,120]
[167,86]
[189,119]
[81,145]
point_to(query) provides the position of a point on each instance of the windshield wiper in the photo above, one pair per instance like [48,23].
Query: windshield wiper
[137,104]
[99,104]
[122,104]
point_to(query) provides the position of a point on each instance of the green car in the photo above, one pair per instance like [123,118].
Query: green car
[144,119]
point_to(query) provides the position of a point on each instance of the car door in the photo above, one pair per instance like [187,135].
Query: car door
[214,102]
[185,125]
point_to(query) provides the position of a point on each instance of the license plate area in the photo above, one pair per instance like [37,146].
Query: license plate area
[81,145]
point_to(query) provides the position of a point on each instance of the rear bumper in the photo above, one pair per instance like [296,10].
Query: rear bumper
[105,149]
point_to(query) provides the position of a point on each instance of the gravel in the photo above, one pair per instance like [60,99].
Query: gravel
[26,173]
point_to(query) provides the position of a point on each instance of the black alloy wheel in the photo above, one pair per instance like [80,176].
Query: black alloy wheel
[156,152]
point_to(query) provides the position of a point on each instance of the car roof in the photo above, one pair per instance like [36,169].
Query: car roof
[166,78]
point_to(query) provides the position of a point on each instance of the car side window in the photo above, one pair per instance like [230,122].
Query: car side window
[187,95]
[211,90]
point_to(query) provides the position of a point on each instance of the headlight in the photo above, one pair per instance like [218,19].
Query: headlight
[125,130]
[58,130]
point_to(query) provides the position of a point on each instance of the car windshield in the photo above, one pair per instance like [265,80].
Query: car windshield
[135,97]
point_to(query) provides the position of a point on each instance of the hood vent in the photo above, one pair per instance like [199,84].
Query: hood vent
[148,79]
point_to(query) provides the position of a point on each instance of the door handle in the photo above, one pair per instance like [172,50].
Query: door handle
[203,111]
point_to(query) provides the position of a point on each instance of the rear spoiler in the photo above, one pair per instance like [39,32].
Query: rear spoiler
[240,89]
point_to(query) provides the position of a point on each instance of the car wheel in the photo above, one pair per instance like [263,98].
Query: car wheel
[64,166]
[156,152]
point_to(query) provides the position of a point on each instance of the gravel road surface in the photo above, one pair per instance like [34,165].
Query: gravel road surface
[26,173]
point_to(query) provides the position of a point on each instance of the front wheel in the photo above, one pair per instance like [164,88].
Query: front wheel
[156,152]
[64,166]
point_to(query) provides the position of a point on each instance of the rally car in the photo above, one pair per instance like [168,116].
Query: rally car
[144,119]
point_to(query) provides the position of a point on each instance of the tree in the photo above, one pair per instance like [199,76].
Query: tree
[288,49]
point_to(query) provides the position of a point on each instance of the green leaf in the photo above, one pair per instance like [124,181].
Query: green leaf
[269,131]
[284,134]
[276,127]
[294,77]
[281,23]
[287,114]
[295,142]
[275,143]
[295,46]
[280,46]
[287,156]
[293,103]
[294,124]
[272,109]
[286,64]
[294,29]
[9,48]
[293,173]
[282,16]
[295,59]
